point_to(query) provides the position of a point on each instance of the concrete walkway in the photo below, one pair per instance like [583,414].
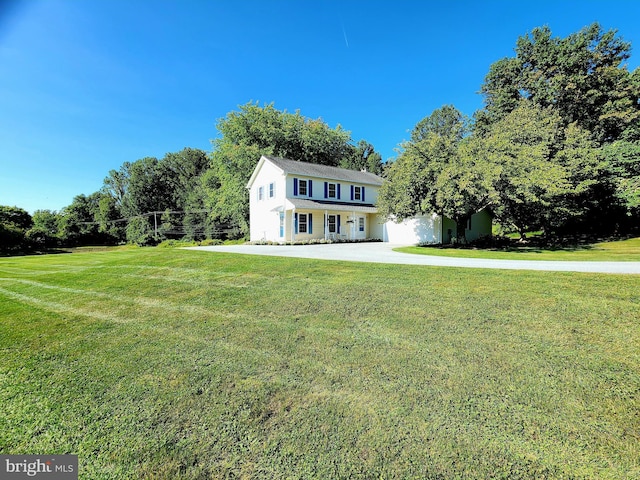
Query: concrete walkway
[378,252]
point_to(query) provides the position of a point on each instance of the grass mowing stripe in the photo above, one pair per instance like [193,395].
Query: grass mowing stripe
[58,307]
[189,281]
[145,302]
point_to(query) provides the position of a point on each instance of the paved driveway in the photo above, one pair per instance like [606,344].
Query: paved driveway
[378,252]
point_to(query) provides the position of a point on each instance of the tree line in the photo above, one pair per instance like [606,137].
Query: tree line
[556,147]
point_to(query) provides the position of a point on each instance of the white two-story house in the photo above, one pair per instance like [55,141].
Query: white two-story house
[293,201]
[297,201]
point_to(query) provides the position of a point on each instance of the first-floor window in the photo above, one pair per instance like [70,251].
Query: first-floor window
[302,223]
[361,224]
[282,224]
[331,221]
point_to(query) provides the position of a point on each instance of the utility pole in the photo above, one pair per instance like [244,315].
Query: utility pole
[155,221]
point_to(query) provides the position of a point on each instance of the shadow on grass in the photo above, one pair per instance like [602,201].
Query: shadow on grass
[534,244]
[61,250]
[25,253]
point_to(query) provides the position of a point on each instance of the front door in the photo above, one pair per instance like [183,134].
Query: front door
[360,227]
[332,226]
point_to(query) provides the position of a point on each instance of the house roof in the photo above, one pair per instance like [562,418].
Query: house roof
[319,171]
[303,203]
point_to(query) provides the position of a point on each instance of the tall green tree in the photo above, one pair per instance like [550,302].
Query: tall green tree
[77,221]
[15,216]
[45,229]
[109,218]
[14,224]
[583,76]
[180,174]
[147,189]
[444,122]
[623,164]
[438,171]
[116,185]
[542,170]
[173,183]
[363,157]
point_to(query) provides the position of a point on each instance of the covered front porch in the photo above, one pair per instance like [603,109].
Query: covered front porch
[305,220]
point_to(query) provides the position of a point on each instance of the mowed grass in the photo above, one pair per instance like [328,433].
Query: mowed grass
[617,251]
[168,363]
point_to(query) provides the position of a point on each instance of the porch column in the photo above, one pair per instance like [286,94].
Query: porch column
[354,226]
[326,224]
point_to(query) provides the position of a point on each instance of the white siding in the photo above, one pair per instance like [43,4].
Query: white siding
[317,191]
[427,229]
[418,230]
[264,217]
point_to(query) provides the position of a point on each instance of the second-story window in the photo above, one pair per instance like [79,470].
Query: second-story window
[261,193]
[357,193]
[272,190]
[332,190]
[302,188]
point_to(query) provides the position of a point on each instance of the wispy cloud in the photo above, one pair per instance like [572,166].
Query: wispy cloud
[344,32]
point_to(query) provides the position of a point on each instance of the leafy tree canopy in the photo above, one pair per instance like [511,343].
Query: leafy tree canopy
[582,76]
[445,122]
[623,162]
[14,223]
[541,168]
[15,216]
[45,229]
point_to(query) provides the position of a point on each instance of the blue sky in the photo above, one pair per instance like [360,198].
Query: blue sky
[86,85]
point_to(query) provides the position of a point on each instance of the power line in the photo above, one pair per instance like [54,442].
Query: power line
[142,215]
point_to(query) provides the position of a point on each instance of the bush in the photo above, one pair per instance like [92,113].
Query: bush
[42,238]
[189,243]
[211,241]
[140,232]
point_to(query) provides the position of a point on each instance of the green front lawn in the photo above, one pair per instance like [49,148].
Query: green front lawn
[162,363]
[622,251]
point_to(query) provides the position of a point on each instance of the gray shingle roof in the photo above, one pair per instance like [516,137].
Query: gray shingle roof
[303,203]
[323,171]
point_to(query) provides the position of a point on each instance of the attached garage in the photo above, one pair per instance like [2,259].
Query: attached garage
[434,229]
